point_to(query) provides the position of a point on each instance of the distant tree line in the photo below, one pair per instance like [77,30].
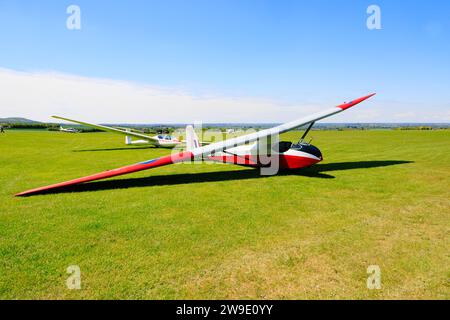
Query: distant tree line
[417,128]
[25,125]
[56,127]
[158,129]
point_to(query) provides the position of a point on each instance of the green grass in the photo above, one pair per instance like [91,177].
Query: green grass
[222,231]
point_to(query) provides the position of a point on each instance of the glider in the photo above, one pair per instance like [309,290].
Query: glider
[243,150]
[68,130]
[162,140]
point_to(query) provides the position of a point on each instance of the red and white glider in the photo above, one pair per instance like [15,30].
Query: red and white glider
[237,150]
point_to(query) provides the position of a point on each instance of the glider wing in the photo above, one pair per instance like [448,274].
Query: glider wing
[122,131]
[154,163]
[234,142]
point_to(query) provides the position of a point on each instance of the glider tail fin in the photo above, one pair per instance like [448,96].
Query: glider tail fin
[192,141]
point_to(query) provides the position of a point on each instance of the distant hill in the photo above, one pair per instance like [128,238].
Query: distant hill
[17,120]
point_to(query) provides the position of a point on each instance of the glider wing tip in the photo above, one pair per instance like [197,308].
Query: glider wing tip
[32,192]
[352,103]
[28,192]
[22,194]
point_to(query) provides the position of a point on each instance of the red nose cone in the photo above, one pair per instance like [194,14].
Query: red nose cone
[296,162]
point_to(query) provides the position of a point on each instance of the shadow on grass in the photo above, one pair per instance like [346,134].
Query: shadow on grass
[316,171]
[116,149]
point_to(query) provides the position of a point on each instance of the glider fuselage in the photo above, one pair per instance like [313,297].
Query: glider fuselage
[167,141]
[286,154]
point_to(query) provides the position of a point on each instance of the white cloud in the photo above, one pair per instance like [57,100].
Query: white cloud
[38,95]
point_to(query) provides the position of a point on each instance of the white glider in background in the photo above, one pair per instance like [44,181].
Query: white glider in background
[68,130]
[243,150]
[161,140]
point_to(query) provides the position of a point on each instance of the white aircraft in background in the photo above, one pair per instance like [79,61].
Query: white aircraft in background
[69,130]
[247,150]
[161,140]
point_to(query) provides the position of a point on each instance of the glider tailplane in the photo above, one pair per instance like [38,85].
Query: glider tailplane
[192,141]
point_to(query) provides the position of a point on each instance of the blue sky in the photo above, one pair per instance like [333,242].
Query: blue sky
[291,52]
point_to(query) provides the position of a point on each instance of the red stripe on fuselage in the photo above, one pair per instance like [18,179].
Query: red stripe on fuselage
[284,161]
[245,160]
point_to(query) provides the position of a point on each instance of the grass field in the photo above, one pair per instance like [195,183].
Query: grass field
[222,231]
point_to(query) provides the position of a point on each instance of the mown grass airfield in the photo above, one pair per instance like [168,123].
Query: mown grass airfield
[204,231]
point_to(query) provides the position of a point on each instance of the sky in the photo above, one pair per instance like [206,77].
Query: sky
[221,61]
